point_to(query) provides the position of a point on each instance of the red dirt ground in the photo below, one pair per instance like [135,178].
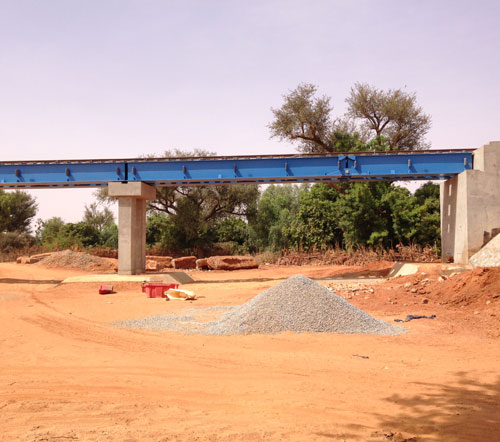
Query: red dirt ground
[65,374]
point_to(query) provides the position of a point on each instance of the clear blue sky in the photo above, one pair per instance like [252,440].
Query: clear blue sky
[110,79]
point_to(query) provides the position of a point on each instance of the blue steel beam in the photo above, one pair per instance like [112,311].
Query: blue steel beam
[393,166]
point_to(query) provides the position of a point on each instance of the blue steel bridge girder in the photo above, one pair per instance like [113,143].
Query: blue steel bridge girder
[360,166]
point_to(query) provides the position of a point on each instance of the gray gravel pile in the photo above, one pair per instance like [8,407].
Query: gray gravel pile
[158,322]
[192,320]
[299,304]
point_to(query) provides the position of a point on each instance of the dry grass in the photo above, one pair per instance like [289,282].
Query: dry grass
[360,256]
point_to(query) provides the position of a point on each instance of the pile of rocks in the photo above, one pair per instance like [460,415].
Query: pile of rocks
[348,290]
[190,262]
[297,304]
[78,260]
[33,259]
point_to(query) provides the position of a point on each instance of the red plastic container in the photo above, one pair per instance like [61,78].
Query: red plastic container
[157,289]
[105,289]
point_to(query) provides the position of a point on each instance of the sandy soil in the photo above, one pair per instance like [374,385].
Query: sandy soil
[65,374]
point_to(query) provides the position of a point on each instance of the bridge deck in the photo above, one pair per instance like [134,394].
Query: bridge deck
[352,166]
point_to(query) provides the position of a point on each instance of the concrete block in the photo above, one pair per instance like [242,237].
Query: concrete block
[131,190]
[186,262]
[470,206]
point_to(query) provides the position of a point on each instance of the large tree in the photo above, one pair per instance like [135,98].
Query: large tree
[393,114]
[192,212]
[375,120]
[17,209]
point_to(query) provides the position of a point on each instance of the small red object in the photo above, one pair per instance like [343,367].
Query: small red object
[105,289]
[157,289]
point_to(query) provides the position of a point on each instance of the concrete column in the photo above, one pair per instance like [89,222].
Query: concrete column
[132,198]
[470,206]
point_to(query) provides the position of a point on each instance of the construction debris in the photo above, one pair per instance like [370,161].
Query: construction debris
[180,295]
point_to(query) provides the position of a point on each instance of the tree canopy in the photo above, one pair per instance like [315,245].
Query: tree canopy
[185,217]
[17,209]
[375,120]
[393,115]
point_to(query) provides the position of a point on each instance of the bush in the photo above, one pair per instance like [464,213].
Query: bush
[13,244]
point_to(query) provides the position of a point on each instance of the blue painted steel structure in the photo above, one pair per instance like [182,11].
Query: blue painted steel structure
[359,166]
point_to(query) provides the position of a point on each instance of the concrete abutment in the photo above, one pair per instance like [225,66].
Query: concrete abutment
[470,206]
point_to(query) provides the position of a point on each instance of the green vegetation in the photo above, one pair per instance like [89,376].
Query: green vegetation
[17,209]
[245,219]
[281,217]
[97,229]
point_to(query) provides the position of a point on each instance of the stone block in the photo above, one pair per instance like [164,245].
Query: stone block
[151,264]
[186,262]
[232,262]
[41,255]
[162,261]
[202,264]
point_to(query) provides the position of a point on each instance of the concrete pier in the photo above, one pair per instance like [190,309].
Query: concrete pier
[470,206]
[132,198]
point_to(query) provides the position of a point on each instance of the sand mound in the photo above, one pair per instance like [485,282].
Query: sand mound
[78,260]
[476,286]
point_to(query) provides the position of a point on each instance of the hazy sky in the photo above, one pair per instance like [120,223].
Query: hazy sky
[111,79]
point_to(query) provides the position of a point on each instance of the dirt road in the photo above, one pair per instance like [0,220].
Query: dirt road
[66,374]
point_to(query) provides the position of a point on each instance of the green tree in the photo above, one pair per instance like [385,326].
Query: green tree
[100,219]
[82,234]
[306,119]
[17,209]
[48,231]
[194,211]
[232,229]
[157,224]
[402,213]
[54,233]
[428,228]
[375,120]
[276,208]
[315,224]
[392,115]
[360,217]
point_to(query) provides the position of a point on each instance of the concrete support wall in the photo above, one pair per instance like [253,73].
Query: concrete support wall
[470,206]
[131,224]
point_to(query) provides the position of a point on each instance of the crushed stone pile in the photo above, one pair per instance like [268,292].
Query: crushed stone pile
[297,304]
[79,260]
[488,256]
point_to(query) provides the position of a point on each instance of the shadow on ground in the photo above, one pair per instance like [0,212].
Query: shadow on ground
[468,410]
